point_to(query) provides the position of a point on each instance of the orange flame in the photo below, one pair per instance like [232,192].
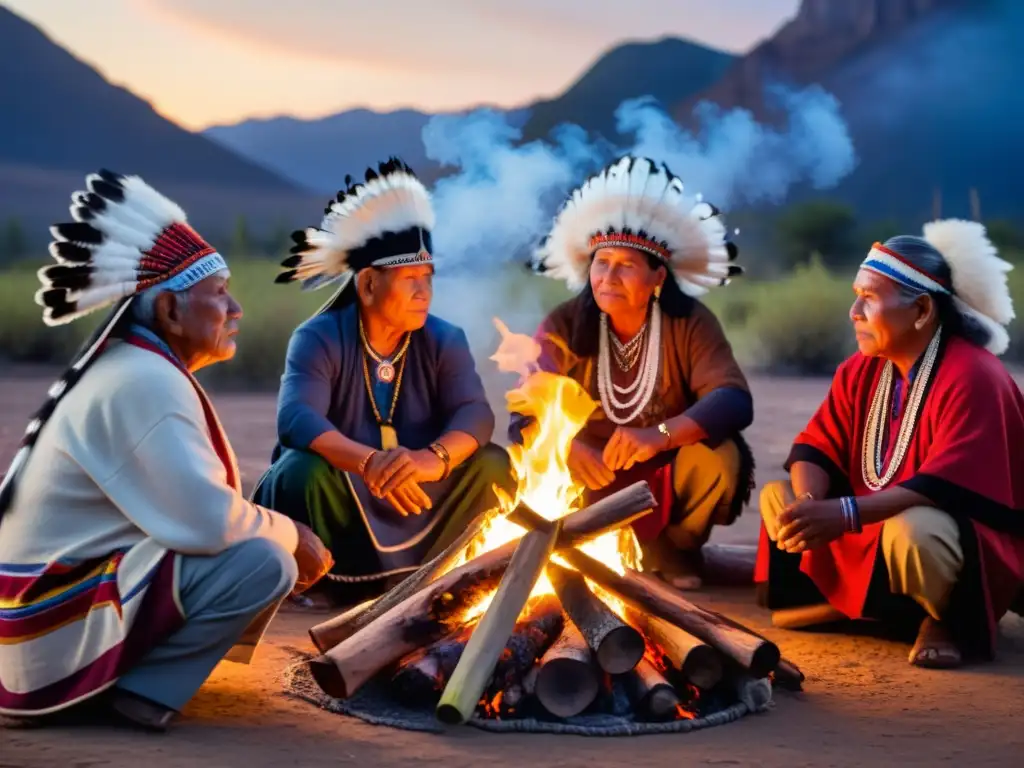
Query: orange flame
[559,408]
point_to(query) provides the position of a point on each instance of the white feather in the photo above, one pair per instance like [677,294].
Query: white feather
[639,195]
[388,203]
[979,275]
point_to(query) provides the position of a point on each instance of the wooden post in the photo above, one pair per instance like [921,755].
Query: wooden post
[609,513]
[647,593]
[567,678]
[618,646]
[461,695]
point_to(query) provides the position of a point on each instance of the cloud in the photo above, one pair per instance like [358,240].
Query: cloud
[452,35]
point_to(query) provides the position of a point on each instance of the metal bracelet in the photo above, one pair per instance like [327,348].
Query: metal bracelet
[442,453]
[366,460]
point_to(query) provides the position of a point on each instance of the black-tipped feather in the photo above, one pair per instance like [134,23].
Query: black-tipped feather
[78,232]
[299,236]
[292,261]
[732,250]
[72,278]
[111,177]
[70,252]
[108,191]
[735,270]
[285,277]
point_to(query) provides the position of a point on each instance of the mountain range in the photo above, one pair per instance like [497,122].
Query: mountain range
[927,88]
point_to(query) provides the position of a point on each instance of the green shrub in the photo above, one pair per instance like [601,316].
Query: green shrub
[795,324]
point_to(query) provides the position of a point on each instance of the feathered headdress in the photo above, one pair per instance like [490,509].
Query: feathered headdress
[639,204]
[977,284]
[384,222]
[125,237]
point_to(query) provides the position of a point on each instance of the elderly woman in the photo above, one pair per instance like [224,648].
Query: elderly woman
[673,399]
[906,489]
[130,561]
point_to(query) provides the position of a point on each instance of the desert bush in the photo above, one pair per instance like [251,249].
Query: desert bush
[795,324]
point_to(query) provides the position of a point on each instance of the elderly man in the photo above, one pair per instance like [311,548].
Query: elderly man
[130,562]
[906,491]
[383,423]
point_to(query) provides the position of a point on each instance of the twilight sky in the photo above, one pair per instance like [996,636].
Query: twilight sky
[202,62]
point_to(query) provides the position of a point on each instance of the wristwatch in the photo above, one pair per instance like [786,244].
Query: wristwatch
[663,428]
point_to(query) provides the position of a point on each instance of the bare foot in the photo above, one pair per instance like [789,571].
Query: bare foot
[935,648]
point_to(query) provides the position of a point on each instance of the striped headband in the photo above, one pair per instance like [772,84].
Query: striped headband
[887,263]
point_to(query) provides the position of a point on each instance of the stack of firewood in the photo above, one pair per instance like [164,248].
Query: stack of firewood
[557,652]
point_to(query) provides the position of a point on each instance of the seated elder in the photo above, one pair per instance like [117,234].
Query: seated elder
[905,497]
[383,423]
[130,561]
[673,400]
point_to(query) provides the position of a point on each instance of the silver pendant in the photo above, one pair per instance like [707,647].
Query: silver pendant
[385,372]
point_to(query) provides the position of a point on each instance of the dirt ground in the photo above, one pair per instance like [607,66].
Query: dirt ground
[862,704]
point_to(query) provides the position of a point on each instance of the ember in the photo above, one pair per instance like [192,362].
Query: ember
[542,610]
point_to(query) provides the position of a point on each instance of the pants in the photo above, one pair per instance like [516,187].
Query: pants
[228,600]
[704,483]
[303,486]
[920,548]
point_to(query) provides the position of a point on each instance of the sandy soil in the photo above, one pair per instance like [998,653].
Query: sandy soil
[863,704]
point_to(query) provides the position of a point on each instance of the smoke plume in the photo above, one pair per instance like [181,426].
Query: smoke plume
[503,195]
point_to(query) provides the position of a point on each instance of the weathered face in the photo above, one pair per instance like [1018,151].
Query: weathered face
[884,321]
[202,328]
[400,295]
[623,281]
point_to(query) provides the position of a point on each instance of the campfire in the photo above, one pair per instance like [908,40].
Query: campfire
[542,609]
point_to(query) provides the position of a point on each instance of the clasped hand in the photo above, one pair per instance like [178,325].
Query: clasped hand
[807,524]
[627,447]
[397,475]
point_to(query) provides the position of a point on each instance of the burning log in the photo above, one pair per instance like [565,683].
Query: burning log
[437,610]
[618,646]
[608,514]
[651,694]
[698,662]
[328,634]
[648,594]
[567,678]
[423,674]
[421,619]
[532,637]
[475,668]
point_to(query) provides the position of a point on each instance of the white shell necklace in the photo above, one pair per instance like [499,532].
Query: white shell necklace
[874,434]
[643,385]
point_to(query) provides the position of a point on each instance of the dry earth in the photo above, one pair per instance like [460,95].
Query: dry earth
[863,704]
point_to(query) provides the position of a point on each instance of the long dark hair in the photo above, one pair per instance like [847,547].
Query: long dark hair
[923,255]
[585,336]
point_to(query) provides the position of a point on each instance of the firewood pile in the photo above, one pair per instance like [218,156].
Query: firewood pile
[468,634]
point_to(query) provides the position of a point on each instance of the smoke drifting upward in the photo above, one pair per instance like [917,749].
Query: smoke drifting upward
[503,196]
[501,201]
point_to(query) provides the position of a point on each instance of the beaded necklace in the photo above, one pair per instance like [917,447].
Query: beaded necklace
[646,379]
[872,454]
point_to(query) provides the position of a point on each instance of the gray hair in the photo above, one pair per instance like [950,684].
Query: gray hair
[925,256]
[144,305]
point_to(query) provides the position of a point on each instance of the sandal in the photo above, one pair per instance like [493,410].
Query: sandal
[934,648]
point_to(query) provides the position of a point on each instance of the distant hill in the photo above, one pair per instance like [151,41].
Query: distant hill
[61,120]
[318,153]
[929,89]
[671,70]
